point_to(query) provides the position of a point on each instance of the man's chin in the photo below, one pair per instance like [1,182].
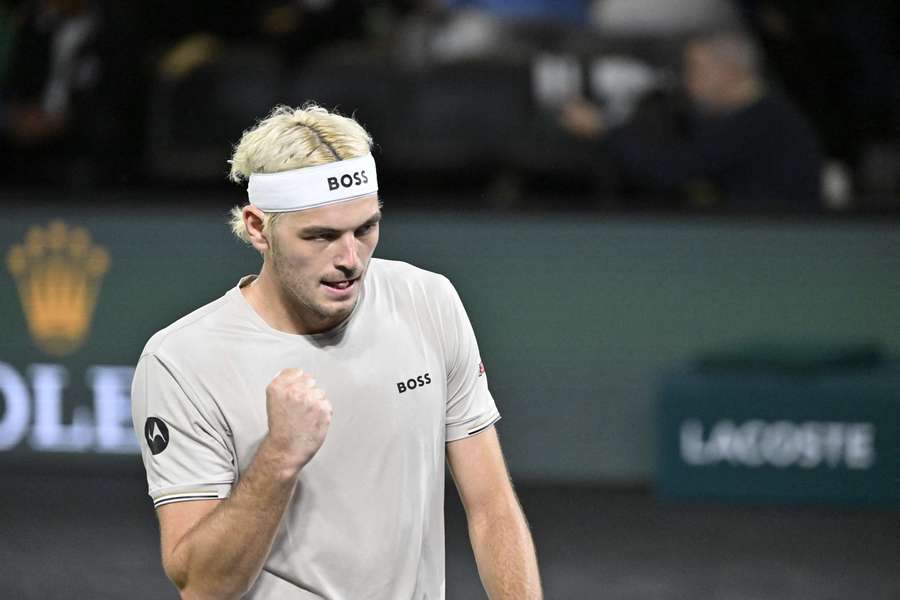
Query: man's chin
[337,309]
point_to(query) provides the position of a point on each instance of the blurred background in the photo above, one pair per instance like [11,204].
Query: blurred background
[674,224]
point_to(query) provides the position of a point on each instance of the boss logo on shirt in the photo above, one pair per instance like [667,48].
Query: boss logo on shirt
[348,180]
[416,382]
[157,435]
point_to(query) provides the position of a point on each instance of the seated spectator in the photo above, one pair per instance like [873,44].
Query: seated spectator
[749,142]
[301,27]
[70,92]
[498,29]
[294,29]
[838,64]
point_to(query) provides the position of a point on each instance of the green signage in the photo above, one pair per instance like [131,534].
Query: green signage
[827,437]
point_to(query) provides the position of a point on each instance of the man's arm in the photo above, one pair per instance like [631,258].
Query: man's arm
[216,549]
[504,551]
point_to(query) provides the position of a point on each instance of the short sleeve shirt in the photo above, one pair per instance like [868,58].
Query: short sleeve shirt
[404,376]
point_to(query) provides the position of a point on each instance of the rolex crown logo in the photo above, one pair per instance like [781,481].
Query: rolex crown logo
[58,273]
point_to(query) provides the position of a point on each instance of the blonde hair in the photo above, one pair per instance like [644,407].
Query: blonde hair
[293,138]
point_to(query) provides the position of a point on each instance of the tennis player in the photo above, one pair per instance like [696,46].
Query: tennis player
[295,430]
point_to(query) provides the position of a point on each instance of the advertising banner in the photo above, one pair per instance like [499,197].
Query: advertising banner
[79,298]
[828,437]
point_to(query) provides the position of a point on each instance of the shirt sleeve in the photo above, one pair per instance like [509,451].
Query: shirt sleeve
[470,406]
[185,456]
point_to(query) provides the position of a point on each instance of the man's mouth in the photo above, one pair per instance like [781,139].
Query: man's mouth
[340,284]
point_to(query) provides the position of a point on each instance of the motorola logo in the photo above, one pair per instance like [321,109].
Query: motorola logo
[157,435]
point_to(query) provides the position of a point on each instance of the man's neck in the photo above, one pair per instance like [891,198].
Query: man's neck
[271,303]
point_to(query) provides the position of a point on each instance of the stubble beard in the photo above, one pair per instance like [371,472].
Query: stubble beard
[300,296]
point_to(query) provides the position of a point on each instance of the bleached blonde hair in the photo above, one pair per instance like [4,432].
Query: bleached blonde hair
[292,138]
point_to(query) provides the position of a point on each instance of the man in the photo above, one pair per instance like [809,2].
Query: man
[294,431]
[752,144]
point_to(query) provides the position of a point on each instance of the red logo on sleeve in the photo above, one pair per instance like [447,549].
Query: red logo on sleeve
[481,370]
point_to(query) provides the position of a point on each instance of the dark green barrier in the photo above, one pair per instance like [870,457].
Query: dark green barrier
[832,437]
[576,315]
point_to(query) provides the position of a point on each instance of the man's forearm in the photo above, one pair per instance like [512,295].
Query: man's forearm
[224,553]
[505,553]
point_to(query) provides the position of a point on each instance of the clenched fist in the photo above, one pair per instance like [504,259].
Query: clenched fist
[299,415]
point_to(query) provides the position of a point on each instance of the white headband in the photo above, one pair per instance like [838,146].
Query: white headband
[310,187]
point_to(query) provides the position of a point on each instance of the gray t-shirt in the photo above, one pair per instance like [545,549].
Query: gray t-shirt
[404,376]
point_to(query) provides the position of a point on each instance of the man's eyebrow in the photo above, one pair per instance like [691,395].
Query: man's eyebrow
[318,230]
[372,220]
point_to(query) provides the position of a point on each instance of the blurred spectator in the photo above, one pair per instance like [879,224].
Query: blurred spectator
[299,27]
[750,143]
[295,28]
[69,94]
[835,58]
[462,30]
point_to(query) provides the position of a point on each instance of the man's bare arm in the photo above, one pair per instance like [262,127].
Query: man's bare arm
[216,549]
[504,551]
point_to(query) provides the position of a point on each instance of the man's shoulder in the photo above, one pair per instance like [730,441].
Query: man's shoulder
[414,295]
[398,274]
[190,329]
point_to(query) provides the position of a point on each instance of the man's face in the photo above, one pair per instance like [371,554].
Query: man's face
[706,78]
[319,257]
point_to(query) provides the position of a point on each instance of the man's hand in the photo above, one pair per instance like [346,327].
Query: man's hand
[583,119]
[299,416]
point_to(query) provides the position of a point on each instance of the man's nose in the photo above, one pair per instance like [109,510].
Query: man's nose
[347,257]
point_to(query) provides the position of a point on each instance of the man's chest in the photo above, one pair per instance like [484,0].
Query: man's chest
[388,392]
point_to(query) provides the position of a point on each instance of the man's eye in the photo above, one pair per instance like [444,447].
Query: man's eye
[365,229]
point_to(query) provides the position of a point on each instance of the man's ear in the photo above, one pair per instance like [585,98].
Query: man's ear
[253,221]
